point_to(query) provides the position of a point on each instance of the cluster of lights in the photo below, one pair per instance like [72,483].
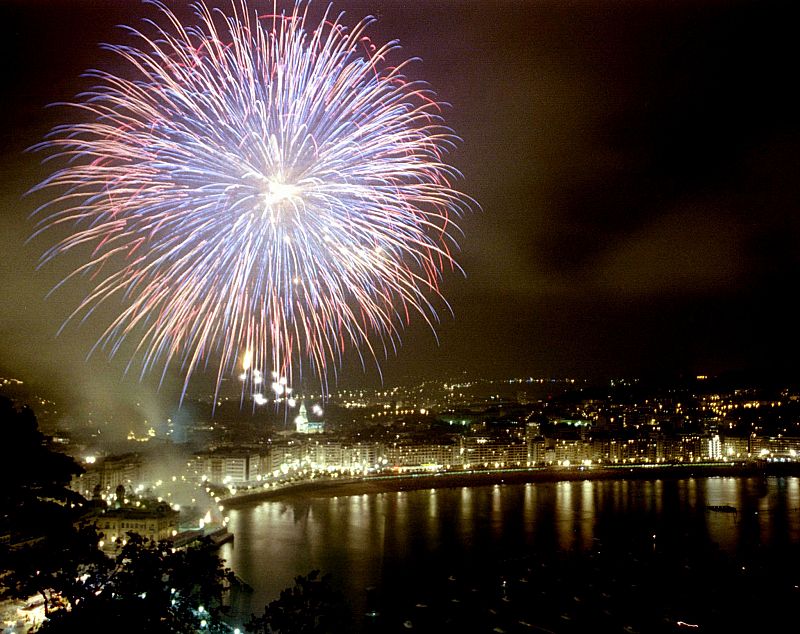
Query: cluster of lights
[279,386]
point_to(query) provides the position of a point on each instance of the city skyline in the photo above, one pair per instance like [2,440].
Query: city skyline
[632,165]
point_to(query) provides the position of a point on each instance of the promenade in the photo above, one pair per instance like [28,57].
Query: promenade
[380,483]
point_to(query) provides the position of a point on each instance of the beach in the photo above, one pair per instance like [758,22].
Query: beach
[323,487]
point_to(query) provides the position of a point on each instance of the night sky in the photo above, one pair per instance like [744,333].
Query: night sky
[636,164]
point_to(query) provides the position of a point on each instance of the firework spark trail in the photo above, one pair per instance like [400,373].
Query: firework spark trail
[256,184]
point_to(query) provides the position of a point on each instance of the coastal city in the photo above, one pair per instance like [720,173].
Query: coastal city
[399,317]
[175,483]
[178,484]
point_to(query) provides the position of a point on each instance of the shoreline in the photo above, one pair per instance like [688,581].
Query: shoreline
[324,488]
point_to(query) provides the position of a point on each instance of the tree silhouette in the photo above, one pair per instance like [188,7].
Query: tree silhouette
[34,479]
[151,587]
[42,550]
[47,551]
[312,606]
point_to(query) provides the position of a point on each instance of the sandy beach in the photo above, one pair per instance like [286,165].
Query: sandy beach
[329,487]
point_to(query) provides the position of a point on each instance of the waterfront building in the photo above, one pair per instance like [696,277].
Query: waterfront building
[484,451]
[324,455]
[736,448]
[715,447]
[692,447]
[775,447]
[226,465]
[516,454]
[411,456]
[108,473]
[282,456]
[157,523]
[363,455]
[566,452]
[536,450]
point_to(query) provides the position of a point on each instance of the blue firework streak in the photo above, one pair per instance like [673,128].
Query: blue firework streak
[256,186]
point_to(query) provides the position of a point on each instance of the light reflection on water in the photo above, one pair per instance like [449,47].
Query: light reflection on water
[398,539]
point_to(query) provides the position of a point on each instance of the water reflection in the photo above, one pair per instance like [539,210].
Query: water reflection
[529,513]
[401,540]
[587,513]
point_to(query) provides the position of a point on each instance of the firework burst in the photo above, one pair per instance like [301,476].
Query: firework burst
[256,186]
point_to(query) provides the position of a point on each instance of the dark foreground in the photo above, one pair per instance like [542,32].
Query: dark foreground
[637,587]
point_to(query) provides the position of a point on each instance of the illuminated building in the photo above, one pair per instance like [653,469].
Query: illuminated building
[776,448]
[736,448]
[228,465]
[304,426]
[301,421]
[158,523]
[324,455]
[361,455]
[109,473]
[715,447]
[483,451]
[405,456]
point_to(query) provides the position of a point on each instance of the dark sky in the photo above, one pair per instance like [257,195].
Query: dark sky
[636,164]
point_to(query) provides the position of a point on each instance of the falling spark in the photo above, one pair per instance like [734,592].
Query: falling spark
[256,186]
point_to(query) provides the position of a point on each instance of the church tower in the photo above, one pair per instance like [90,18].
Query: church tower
[301,421]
